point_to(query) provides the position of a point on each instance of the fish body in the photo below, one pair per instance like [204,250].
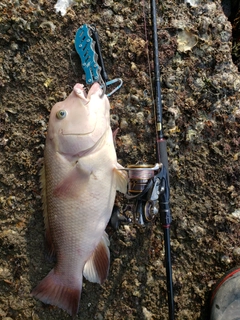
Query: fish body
[79,182]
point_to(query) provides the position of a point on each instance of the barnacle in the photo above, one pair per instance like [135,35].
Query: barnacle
[49,24]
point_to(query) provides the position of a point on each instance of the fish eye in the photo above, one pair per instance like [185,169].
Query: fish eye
[61,114]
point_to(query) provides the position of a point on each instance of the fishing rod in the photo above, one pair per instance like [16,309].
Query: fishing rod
[149,184]
[164,206]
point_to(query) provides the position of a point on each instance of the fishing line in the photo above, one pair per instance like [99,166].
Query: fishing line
[149,66]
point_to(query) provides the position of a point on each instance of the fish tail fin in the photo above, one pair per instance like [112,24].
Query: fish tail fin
[52,290]
[97,267]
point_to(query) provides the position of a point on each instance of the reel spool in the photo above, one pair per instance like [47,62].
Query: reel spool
[139,175]
[144,189]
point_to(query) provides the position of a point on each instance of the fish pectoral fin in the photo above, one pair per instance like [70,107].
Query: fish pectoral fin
[69,187]
[121,178]
[97,267]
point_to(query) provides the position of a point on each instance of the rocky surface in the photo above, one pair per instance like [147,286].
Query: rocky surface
[200,88]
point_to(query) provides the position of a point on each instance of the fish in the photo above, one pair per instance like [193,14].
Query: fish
[79,180]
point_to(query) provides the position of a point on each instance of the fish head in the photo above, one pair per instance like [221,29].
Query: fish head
[80,121]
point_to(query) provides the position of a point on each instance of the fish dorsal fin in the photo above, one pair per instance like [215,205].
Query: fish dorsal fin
[121,178]
[49,242]
[97,266]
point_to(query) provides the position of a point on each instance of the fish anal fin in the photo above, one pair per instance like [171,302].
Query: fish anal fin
[52,290]
[44,196]
[97,267]
[121,178]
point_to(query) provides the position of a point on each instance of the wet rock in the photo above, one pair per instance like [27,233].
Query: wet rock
[200,94]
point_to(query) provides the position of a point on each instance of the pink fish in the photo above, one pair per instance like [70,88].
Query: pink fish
[79,182]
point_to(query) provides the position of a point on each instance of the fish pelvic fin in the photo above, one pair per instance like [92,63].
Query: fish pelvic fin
[121,178]
[52,290]
[97,266]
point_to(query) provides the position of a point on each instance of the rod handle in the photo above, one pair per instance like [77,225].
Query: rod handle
[162,154]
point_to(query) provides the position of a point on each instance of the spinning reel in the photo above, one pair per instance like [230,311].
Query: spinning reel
[146,185]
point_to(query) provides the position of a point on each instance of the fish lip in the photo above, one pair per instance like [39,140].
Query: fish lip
[93,90]
[80,92]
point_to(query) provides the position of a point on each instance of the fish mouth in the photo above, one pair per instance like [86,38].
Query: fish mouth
[80,91]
